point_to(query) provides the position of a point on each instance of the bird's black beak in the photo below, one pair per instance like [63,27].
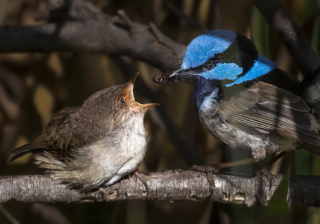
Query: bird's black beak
[175,76]
[180,75]
[176,73]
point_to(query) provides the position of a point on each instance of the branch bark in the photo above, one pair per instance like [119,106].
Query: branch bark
[290,34]
[114,35]
[118,35]
[170,186]
[93,31]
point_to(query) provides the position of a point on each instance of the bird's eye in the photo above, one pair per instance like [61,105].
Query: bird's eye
[206,68]
[122,101]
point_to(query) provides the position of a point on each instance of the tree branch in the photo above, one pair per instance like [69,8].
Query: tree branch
[170,186]
[118,35]
[93,31]
[290,34]
[114,35]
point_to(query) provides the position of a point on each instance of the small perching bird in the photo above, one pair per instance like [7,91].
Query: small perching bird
[244,99]
[96,144]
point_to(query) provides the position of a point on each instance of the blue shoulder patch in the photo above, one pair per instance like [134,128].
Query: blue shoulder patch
[223,71]
[204,47]
[261,67]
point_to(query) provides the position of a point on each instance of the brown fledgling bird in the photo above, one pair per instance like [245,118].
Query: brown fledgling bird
[96,144]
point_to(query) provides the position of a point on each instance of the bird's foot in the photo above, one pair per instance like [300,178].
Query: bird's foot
[144,172]
[104,192]
[108,190]
[265,171]
[138,173]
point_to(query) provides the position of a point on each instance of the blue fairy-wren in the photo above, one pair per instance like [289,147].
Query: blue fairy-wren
[96,144]
[244,99]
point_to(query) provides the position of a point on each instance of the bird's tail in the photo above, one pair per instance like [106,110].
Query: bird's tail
[21,151]
[64,172]
[47,161]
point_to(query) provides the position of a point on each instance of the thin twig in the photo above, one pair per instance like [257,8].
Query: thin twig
[186,18]
[290,34]
[316,4]
[8,215]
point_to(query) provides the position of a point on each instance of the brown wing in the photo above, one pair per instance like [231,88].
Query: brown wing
[76,127]
[268,108]
[59,133]
[67,129]
[73,128]
[53,137]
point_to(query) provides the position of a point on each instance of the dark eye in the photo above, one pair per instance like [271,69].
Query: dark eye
[206,68]
[122,101]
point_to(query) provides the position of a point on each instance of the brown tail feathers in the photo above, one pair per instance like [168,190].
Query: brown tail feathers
[21,151]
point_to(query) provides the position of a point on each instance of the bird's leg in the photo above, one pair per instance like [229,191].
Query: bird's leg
[104,191]
[265,170]
[218,166]
[137,174]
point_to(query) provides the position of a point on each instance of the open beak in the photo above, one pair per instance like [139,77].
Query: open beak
[137,107]
[131,84]
[145,107]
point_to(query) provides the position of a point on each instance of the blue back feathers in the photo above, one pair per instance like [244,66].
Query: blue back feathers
[206,46]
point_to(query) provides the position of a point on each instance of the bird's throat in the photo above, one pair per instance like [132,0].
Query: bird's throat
[204,88]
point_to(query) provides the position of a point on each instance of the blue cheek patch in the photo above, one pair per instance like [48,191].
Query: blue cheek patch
[204,47]
[223,71]
[261,67]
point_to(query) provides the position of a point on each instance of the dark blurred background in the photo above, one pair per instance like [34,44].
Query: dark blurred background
[42,84]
